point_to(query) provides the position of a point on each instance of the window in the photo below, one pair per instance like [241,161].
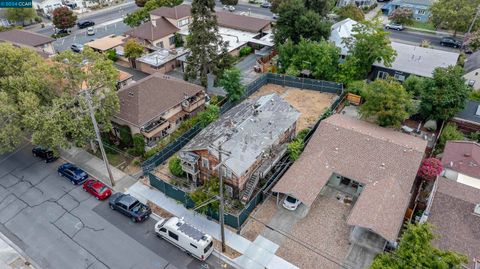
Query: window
[193,245]
[421,12]
[173,235]
[171,40]
[182,22]
[207,248]
[471,83]
[163,230]
[382,74]
[399,77]
[159,44]
[205,163]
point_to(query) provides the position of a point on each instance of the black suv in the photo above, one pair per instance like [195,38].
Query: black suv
[44,154]
[129,206]
[85,24]
[450,42]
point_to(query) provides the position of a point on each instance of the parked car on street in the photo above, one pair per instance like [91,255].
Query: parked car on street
[97,189]
[129,206]
[72,173]
[63,31]
[85,24]
[450,42]
[76,48]
[274,16]
[266,4]
[90,31]
[229,8]
[394,26]
[291,203]
[186,237]
[46,154]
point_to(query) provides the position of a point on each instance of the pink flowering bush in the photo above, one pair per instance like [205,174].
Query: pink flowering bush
[430,169]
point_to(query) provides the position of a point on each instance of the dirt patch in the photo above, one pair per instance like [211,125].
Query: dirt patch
[159,211]
[264,213]
[311,104]
[230,252]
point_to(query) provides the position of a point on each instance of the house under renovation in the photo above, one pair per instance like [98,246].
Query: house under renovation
[252,137]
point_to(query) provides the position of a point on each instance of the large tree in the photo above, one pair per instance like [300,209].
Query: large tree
[351,11]
[63,18]
[295,21]
[133,50]
[204,42]
[20,14]
[416,251]
[454,14]
[321,58]
[369,44]
[402,15]
[231,83]
[446,95]
[473,41]
[387,102]
[142,14]
[322,7]
[44,100]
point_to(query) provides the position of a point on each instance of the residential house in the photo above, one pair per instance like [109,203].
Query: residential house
[156,105]
[420,8]
[358,3]
[370,167]
[106,43]
[155,34]
[46,7]
[413,60]
[471,68]
[20,37]
[254,133]
[454,212]
[461,162]
[179,16]
[161,60]
[124,78]
[340,31]
[468,120]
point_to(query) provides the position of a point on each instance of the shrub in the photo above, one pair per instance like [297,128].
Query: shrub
[302,134]
[111,55]
[449,132]
[205,193]
[138,145]
[294,149]
[208,116]
[178,40]
[175,167]
[430,169]
[125,136]
[245,51]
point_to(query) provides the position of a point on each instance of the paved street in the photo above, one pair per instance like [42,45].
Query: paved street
[58,225]
[415,38]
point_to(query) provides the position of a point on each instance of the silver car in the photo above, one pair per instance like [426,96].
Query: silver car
[394,26]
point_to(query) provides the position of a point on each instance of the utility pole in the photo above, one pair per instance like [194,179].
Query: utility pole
[471,26]
[97,133]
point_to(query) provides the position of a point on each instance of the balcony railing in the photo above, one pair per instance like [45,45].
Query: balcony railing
[153,125]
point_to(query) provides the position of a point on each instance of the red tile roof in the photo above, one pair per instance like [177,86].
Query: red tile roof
[463,157]
[383,160]
[176,12]
[151,33]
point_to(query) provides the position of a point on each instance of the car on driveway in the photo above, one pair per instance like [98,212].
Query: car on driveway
[46,154]
[85,24]
[97,189]
[291,203]
[90,31]
[76,48]
[394,26]
[266,4]
[72,173]
[129,206]
[450,42]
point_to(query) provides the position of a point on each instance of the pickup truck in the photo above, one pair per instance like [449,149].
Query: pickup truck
[129,206]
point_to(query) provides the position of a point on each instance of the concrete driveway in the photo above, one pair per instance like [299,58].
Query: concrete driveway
[58,225]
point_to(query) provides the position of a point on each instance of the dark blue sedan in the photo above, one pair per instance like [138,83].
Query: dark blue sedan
[72,173]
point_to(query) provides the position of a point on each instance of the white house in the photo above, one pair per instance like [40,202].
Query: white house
[340,31]
[472,70]
[46,6]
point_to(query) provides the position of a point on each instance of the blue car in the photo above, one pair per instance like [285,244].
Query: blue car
[72,173]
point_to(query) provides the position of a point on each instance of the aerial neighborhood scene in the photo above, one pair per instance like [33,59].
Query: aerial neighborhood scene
[252,134]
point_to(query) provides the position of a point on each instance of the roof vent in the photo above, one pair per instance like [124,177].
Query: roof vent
[130,94]
[451,164]
[477,209]
[466,154]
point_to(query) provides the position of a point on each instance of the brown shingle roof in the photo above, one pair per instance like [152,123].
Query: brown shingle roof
[463,157]
[383,160]
[147,98]
[241,22]
[25,37]
[151,33]
[176,12]
[456,225]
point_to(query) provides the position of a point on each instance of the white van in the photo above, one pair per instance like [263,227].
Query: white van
[185,236]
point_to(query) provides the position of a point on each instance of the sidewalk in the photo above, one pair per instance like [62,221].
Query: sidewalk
[259,254]
[96,168]
[11,257]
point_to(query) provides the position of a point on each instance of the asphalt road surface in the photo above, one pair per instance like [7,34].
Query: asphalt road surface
[415,38]
[58,225]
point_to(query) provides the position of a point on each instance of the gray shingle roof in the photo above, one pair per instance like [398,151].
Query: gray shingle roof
[151,33]
[472,62]
[25,37]
[469,112]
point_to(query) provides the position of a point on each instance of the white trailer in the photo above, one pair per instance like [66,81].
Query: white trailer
[185,236]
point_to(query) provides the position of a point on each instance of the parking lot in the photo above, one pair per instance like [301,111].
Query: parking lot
[59,225]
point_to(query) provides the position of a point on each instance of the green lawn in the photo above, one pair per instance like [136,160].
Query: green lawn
[423,25]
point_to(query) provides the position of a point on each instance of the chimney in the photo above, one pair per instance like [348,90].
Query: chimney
[154,23]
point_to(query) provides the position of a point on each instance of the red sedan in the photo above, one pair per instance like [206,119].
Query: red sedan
[97,189]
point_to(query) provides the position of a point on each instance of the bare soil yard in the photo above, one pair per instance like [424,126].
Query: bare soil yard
[311,104]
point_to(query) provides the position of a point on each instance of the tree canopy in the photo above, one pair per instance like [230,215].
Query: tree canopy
[387,102]
[20,14]
[63,18]
[231,83]
[454,14]
[351,11]
[402,15]
[141,15]
[473,41]
[296,21]
[44,100]
[416,250]
[416,85]
[446,95]
[133,50]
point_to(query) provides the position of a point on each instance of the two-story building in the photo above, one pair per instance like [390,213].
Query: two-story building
[254,133]
[420,8]
[155,34]
[156,105]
